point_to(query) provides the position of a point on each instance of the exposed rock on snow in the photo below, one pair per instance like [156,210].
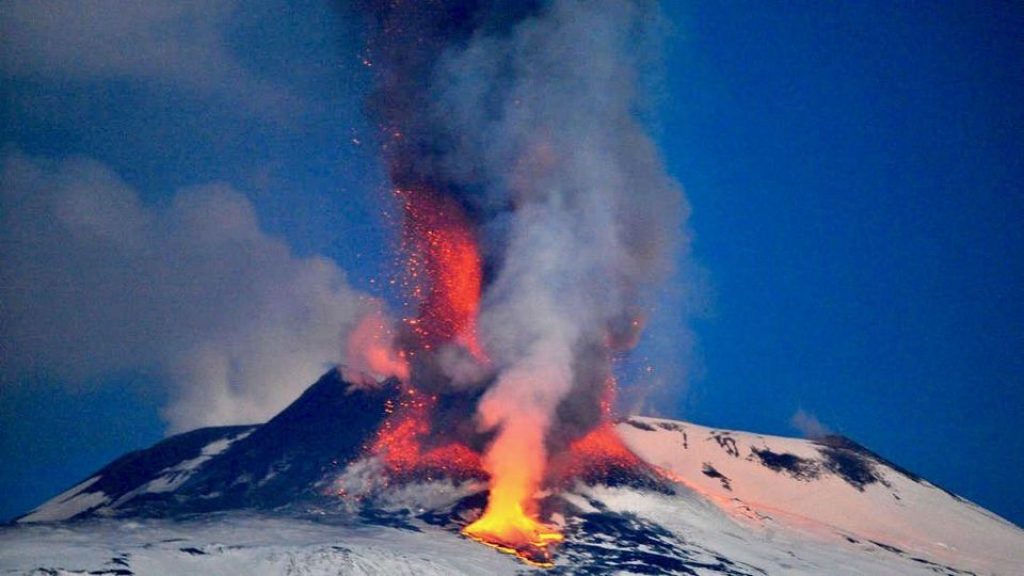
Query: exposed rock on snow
[298,496]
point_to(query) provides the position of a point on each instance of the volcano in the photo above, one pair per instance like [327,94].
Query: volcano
[305,493]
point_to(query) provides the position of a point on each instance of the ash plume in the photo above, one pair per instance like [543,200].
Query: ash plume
[96,282]
[527,114]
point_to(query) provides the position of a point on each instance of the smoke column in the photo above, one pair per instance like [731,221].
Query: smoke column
[524,116]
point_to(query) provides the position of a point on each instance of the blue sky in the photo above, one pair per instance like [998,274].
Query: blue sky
[854,172]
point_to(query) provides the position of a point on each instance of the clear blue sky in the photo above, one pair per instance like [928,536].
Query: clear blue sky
[854,169]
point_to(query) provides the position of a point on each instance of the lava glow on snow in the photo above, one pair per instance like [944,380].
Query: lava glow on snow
[444,281]
[511,126]
[444,271]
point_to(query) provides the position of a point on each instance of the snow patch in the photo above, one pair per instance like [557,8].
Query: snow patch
[174,476]
[244,544]
[798,486]
[68,504]
[171,478]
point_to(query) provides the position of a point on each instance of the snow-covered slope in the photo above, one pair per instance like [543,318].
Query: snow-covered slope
[830,488]
[263,500]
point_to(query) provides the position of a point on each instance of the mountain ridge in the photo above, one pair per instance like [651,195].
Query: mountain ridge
[815,499]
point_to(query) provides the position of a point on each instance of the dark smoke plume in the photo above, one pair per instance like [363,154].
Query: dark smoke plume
[526,113]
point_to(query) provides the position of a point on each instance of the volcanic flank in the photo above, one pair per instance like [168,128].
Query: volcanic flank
[536,219]
[309,491]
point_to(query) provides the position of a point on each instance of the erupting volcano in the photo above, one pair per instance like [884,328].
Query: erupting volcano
[537,219]
[444,279]
[472,406]
[445,274]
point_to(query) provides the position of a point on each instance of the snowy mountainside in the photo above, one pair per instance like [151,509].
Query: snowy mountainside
[829,488]
[263,500]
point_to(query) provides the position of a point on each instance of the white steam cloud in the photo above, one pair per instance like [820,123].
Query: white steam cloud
[95,282]
[545,120]
[808,424]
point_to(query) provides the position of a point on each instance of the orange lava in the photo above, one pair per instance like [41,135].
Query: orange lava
[444,276]
[602,445]
[506,526]
[405,425]
[599,452]
[453,460]
[598,456]
[509,523]
[444,270]
[400,443]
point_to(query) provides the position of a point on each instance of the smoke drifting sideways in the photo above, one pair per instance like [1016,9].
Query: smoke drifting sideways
[527,115]
[95,282]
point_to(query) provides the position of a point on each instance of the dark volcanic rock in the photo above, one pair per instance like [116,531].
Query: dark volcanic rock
[135,469]
[854,463]
[797,467]
[284,461]
[710,471]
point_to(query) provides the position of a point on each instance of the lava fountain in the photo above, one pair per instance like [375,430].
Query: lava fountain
[444,276]
[537,220]
[443,272]
[443,279]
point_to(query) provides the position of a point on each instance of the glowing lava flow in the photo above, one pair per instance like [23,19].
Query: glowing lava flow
[509,522]
[444,278]
[507,527]
[445,273]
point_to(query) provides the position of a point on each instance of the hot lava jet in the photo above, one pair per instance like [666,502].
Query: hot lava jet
[444,279]
[444,272]
[536,221]
[516,454]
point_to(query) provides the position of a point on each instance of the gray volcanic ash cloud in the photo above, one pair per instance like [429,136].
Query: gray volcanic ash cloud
[95,282]
[526,115]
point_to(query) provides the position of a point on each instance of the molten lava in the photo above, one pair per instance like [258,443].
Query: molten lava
[405,425]
[598,456]
[406,430]
[444,272]
[510,523]
[444,277]
[507,527]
